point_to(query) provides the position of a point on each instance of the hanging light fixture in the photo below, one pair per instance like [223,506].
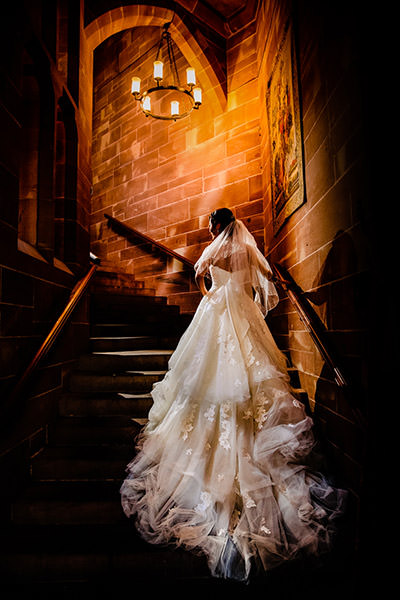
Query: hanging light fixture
[168,102]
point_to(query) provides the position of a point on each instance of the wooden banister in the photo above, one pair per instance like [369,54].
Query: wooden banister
[75,296]
[318,333]
[130,233]
[312,325]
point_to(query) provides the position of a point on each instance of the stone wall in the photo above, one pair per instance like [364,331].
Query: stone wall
[164,178]
[40,263]
[324,244]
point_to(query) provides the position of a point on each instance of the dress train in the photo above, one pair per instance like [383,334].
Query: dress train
[221,466]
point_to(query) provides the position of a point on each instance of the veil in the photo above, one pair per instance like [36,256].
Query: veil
[235,250]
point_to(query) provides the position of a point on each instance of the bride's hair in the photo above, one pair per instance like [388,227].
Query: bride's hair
[222,216]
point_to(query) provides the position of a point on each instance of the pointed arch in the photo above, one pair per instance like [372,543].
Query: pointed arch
[127,17]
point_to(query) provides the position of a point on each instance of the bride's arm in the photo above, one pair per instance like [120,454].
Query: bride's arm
[201,284]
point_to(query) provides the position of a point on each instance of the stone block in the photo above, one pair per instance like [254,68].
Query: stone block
[8,197]
[244,72]
[176,212]
[16,353]
[251,208]
[123,174]
[144,164]
[16,320]
[182,227]
[198,237]
[16,288]
[242,141]
[134,208]
[168,151]
[162,175]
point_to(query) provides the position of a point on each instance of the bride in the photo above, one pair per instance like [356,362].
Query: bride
[221,465]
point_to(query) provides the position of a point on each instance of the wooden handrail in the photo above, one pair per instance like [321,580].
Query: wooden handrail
[318,333]
[74,298]
[130,232]
[312,325]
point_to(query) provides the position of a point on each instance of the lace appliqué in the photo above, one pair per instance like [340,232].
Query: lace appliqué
[247,415]
[264,528]
[210,413]
[228,346]
[249,502]
[205,502]
[226,414]
[188,423]
[262,407]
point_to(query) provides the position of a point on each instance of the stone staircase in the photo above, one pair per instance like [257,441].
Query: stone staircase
[67,536]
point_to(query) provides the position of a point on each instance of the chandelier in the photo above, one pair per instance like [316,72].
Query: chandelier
[168,102]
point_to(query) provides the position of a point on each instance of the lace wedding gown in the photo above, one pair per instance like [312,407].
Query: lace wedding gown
[220,465]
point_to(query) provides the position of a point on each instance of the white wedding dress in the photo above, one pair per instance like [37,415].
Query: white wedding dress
[220,465]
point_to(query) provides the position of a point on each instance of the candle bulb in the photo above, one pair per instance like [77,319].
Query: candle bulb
[146,104]
[190,76]
[174,108]
[197,95]
[158,70]
[135,86]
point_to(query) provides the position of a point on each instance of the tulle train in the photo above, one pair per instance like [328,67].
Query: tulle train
[221,467]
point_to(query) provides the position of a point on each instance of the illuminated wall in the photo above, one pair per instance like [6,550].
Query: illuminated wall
[164,178]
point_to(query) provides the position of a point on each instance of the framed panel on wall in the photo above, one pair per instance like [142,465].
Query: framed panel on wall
[283,110]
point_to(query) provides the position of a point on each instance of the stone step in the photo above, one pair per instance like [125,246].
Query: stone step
[82,463]
[123,360]
[294,377]
[70,538]
[118,297]
[110,288]
[110,266]
[108,272]
[131,307]
[93,431]
[134,317]
[167,328]
[114,344]
[69,503]
[105,404]
[162,566]
[135,382]
[91,553]
[119,281]
[301,395]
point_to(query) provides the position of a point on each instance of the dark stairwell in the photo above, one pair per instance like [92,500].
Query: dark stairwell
[66,535]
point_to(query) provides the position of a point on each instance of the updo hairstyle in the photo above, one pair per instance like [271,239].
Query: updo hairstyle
[222,216]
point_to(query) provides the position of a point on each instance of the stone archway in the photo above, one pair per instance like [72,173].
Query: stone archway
[127,17]
[115,21]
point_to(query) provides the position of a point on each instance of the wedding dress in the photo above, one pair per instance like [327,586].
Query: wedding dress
[220,467]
